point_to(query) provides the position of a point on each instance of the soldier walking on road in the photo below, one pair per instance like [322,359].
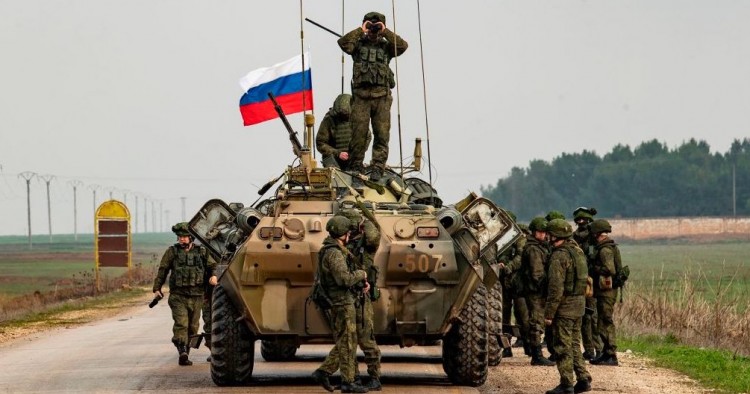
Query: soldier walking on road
[606,261]
[592,343]
[372,46]
[337,281]
[188,268]
[564,306]
[534,279]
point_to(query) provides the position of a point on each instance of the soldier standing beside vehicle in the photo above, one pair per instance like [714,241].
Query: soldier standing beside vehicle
[513,301]
[606,261]
[335,134]
[363,244]
[592,343]
[534,279]
[372,46]
[188,267]
[548,335]
[566,277]
[337,280]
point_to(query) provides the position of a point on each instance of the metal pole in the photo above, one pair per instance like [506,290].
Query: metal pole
[161,215]
[27,176]
[75,184]
[183,207]
[135,218]
[153,216]
[145,214]
[47,179]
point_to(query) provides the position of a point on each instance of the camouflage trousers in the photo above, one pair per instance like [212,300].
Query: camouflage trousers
[567,338]
[535,304]
[517,305]
[206,313]
[343,355]
[592,343]
[605,307]
[366,341]
[186,313]
[364,111]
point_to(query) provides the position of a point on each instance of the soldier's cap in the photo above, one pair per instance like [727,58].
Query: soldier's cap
[374,17]
[584,213]
[338,226]
[600,226]
[342,105]
[354,217]
[559,228]
[181,229]
[538,224]
[551,215]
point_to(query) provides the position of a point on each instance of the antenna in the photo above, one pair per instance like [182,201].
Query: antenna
[398,97]
[424,93]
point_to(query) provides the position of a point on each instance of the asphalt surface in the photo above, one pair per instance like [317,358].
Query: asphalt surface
[133,352]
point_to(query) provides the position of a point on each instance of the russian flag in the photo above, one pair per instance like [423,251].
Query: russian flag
[288,83]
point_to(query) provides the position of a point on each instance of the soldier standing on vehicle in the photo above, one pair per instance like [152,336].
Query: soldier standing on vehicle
[188,267]
[566,277]
[534,279]
[592,343]
[363,244]
[372,46]
[337,281]
[335,134]
[606,261]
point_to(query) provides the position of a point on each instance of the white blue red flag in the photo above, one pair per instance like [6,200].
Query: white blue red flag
[291,86]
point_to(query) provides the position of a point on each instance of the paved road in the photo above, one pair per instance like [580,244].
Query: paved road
[132,352]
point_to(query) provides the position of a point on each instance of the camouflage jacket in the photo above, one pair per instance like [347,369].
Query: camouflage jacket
[325,140]
[533,269]
[335,276]
[188,270]
[603,264]
[511,257]
[565,296]
[354,42]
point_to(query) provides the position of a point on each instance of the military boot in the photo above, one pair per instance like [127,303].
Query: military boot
[374,384]
[518,343]
[354,388]
[527,350]
[321,377]
[582,386]
[587,355]
[183,351]
[607,359]
[507,352]
[376,174]
[561,389]
[538,359]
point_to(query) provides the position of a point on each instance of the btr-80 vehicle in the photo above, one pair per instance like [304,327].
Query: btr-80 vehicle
[432,278]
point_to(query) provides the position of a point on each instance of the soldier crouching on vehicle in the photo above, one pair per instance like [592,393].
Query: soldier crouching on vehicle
[335,134]
[187,266]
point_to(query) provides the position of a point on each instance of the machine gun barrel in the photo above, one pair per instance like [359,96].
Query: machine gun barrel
[296,145]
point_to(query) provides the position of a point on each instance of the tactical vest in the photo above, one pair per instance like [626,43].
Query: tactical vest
[371,66]
[338,295]
[576,274]
[342,134]
[616,252]
[189,267]
[528,282]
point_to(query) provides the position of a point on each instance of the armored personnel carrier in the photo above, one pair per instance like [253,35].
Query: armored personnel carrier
[432,277]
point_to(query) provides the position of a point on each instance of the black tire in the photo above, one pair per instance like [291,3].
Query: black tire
[277,350]
[232,344]
[465,345]
[494,325]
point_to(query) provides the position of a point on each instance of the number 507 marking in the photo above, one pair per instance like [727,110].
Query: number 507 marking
[422,263]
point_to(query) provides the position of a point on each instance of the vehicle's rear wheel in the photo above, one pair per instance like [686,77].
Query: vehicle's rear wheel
[465,345]
[232,344]
[494,324]
[280,350]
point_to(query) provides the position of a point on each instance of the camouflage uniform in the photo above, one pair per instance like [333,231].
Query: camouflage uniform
[337,279]
[592,343]
[362,247]
[533,276]
[372,81]
[188,271]
[606,252]
[565,302]
[513,299]
[335,133]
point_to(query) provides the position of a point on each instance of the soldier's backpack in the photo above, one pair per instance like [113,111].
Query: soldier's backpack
[318,294]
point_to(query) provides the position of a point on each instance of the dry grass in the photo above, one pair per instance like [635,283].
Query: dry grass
[681,309]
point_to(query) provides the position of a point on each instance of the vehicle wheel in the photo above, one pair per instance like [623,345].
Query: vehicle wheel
[277,350]
[494,325]
[232,344]
[465,345]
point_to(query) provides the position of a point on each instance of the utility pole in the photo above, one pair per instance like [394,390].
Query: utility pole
[183,207]
[167,213]
[153,216]
[145,214]
[75,184]
[27,176]
[161,215]
[94,188]
[47,179]
[135,217]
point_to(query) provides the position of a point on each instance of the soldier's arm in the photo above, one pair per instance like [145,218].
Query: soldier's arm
[400,46]
[322,140]
[372,237]
[340,271]
[210,263]
[349,41]
[164,267]
[536,262]
[606,262]
[555,287]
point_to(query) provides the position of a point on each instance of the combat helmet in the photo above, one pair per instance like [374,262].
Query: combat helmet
[354,217]
[559,228]
[338,226]
[342,106]
[600,226]
[374,17]
[584,213]
[538,224]
[181,229]
[551,215]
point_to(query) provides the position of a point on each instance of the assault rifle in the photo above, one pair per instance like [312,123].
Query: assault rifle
[296,145]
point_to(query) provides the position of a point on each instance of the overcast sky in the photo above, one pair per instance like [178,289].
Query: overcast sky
[143,95]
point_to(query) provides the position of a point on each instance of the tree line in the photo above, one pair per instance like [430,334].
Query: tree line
[648,181]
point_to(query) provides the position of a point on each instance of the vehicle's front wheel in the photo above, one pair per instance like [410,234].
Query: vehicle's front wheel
[465,345]
[232,344]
